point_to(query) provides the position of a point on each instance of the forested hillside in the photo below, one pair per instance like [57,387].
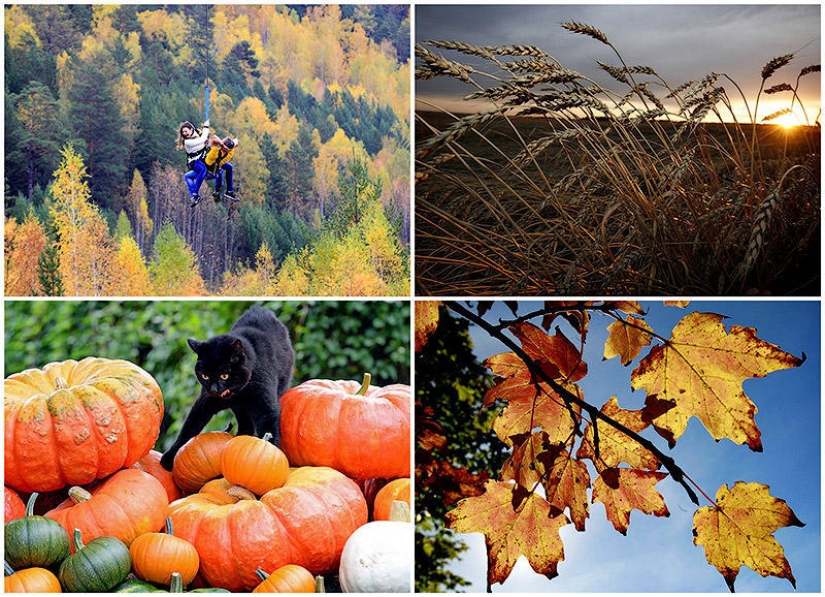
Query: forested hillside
[95,199]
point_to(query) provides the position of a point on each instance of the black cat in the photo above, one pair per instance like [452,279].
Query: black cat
[245,370]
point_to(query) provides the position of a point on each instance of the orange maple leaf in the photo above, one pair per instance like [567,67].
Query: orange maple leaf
[627,339]
[426,320]
[513,525]
[531,409]
[555,350]
[701,370]
[738,531]
[624,489]
[614,446]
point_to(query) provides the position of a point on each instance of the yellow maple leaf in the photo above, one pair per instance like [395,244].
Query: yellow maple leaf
[627,339]
[513,525]
[624,489]
[738,531]
[701,370]
[614,446]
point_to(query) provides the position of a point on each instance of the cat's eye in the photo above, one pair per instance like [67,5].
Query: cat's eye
[205,376]
[224,376]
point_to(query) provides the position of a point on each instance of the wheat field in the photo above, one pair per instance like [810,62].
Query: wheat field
[568,187]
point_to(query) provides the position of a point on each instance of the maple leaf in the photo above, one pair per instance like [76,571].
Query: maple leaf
[511,530]
[624,489]
[514,378]
[426,320]
[701,370]
[521,466]
[566,481]
[627,339]
[529,409]
[555,350]
[614,446]
[738,531]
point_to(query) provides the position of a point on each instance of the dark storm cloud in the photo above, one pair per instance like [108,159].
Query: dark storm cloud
[682,42]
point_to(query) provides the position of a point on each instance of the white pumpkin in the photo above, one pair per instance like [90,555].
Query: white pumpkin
[378,556]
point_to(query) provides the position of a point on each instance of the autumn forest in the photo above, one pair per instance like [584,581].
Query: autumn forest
[95,198]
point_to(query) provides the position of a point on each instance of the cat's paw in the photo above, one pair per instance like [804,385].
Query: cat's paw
[167,460]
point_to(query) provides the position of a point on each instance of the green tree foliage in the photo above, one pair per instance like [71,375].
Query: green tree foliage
[458,447]
[173,267]
[332,340]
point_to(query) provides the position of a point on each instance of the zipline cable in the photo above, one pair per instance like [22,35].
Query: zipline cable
[206,81]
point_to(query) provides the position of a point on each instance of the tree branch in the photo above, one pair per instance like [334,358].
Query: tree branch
[675,471]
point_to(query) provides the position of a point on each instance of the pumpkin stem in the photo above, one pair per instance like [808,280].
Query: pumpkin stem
[241,493]
[399,511]
[177,582]
[365,385]
[79,495]
[170,530]
[319,584]
[60,383]
[267,436]
[78,540]
[261,574]
[30,504]
[7,568]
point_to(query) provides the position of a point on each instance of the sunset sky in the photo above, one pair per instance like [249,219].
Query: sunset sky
[658,554]
[682,42]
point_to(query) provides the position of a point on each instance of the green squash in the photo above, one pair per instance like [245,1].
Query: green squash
[34,541]
[135,585]
[97,567]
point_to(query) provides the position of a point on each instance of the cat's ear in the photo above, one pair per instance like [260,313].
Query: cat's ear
[194,344]
[237,346]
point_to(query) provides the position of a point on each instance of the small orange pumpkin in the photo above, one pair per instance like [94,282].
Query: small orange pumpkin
[157,556]
[199,460]
[286,579]
[395,490]
[30,580]
[254,463]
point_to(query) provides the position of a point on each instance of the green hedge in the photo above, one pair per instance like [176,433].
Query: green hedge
[332,340]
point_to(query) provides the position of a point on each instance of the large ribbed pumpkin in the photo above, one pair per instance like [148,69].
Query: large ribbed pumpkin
[126,505]
[72,422]
[305,522]
[361,430]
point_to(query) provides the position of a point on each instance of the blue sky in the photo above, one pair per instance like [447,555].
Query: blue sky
[658,554]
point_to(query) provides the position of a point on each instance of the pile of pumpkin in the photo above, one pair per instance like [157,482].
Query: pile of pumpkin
[240,514]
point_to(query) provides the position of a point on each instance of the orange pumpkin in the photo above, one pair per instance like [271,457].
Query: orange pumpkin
[199,460]
[124,506]
[286,579]
[395,490]
[305,522]
[254,463]
[30,580]
[73,422]
[13,506]
[361,430]
[151,464]
[157,556]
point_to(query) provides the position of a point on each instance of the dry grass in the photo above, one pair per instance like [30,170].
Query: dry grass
[567,187]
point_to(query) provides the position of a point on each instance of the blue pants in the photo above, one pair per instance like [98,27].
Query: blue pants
[226,172]
[194,178]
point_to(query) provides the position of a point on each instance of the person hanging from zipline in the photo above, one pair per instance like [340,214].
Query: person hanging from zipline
[196,144]
[219,167]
